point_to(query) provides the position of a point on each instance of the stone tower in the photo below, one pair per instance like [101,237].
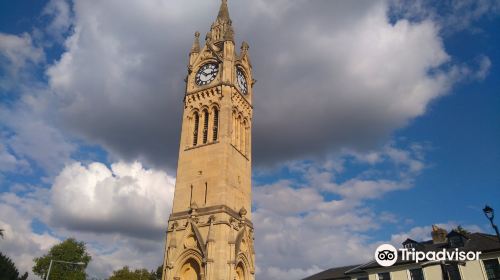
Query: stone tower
[210,233]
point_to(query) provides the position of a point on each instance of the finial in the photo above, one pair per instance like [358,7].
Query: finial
[243,212]
[244,46]
[196,43]
[193,208]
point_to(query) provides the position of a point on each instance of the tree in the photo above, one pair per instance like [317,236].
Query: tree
[139,274]
[70,250]
[461,230]
[1,232]
[159,272]
[8,270]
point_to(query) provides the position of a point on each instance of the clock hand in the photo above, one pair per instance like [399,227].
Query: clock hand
[209,73]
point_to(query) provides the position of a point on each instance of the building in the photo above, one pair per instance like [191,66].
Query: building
[486,268]
[210,233]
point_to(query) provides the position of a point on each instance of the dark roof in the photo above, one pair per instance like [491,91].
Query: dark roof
[408,240]
[456,233]
[482,242]
[337,273]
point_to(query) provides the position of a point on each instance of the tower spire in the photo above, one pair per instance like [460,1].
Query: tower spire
[224,12]
[222,29]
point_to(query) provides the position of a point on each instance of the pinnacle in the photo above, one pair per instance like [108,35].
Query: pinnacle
[196,44]
[223,12]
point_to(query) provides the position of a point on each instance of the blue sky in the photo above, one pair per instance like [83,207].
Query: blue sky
[395,124]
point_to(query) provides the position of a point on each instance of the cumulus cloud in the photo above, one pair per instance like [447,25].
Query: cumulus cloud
[120,211]
[20,242]
[321,219]
[119,80]
[349,75]
[315,236]
[125,199]
[334,77]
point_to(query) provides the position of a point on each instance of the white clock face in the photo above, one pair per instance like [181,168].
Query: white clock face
[206,74]
[242,81]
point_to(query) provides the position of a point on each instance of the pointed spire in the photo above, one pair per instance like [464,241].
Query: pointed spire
[222,29]
[224,12]
[196,43]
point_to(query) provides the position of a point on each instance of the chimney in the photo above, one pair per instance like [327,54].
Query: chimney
[438,234]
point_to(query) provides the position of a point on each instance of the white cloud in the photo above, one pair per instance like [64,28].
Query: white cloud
[119,212]
[452,16]
[317,221]
[119,84]
[293,273]
[125,199]
[61,18]
[484,68]
[292,245]
[17,53]
[19,50]
[31,136]
[122,71]
[29,130]
[9,162]
[277,197]
[368,189]
[20,242]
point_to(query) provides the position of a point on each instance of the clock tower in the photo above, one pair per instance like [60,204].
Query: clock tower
[210,233]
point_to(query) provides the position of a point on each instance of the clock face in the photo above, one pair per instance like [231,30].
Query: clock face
[242,81]
[206,74]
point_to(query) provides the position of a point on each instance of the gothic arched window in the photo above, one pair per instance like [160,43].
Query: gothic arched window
[245,137]
[240,272]
[234,129]
[196,118]
[205,126]
[215,132]
[238,133]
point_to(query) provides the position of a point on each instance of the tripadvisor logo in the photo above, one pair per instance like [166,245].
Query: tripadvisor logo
[387,255]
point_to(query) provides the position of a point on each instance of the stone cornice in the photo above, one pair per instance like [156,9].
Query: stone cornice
[209,211]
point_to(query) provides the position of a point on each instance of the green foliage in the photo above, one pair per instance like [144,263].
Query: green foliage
[159,272]
[8,270]
[69,250]
[139,274]
[461,230]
